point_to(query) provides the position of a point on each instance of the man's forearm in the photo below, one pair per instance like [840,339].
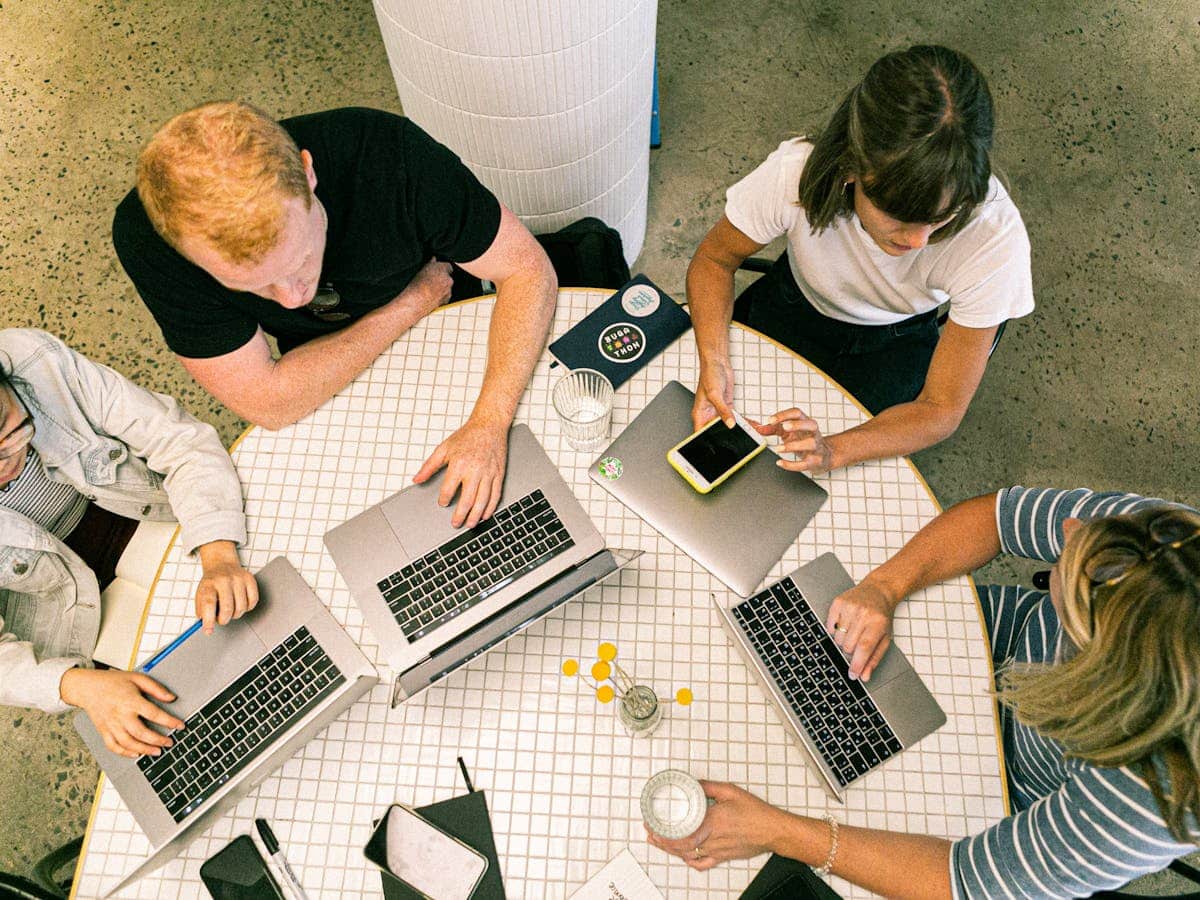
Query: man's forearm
[955,543]
[306,376]
[897,431]
[520,322]
[710,302]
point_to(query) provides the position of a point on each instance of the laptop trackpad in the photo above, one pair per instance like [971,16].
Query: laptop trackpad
[211,659]
[414,513]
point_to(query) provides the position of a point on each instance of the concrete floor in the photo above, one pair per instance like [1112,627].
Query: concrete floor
[1097,133]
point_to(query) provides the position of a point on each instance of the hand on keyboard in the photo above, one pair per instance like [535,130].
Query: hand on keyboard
[117,703]
[860,621]
[474,457]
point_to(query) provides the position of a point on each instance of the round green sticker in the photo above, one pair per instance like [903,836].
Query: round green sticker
[611,468]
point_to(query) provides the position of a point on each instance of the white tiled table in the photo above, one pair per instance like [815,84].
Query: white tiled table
[562,778]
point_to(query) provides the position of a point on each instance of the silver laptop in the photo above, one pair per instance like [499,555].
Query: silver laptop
[251,695]
[436,596]
[763,503]
[845,727]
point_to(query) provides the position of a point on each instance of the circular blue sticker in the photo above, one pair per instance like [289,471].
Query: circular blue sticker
[640,300]
[622,343]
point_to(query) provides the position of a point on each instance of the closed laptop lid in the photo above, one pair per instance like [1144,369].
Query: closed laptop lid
[739,530]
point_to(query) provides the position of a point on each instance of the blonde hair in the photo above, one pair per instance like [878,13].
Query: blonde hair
[1130,696]
[221,173]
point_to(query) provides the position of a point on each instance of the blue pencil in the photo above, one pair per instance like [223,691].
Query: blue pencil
[170,648]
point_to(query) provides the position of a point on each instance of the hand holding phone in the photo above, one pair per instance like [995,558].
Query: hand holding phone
[715,452]
[422,856]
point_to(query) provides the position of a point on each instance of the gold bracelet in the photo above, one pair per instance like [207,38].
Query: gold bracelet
[826,867]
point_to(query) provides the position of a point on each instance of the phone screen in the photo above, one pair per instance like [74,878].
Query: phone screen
[425,857]
[238,872]
[717,449]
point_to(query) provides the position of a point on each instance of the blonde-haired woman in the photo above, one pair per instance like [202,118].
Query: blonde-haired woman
[1098,673]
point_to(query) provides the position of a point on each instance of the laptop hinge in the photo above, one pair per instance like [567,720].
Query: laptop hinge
[510,620]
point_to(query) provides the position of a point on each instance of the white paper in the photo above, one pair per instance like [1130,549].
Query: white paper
[620,879]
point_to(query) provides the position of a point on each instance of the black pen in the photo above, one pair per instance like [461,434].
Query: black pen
[268,838]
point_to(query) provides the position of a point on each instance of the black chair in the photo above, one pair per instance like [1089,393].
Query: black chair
[762,266]
[43,885]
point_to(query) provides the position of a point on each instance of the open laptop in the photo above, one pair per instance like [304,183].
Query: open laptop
[764,503]
[251,694]
[436,596]
[845,727]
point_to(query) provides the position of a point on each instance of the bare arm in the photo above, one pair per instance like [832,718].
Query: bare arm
[954,374]
[958,541]
[888,863]
[526,292]
[277,392]
[710,300]
[740,825]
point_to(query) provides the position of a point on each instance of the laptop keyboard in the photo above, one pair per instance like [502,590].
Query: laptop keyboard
[234,727]
[811,672]
[430,591]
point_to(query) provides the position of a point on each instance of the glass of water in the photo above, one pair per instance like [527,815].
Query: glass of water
[583,400]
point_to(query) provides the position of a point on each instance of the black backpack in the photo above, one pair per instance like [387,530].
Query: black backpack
[586,254]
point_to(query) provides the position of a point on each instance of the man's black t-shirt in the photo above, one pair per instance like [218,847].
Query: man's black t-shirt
[395,197]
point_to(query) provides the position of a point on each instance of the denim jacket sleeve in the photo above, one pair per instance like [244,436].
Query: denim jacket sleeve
[49,614]
[199,477]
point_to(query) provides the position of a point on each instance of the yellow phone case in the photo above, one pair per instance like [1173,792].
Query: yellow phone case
[688,478]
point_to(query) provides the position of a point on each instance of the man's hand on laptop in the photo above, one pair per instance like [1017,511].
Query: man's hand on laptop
[474,457]
[226,590]
[860,621]
[117,702]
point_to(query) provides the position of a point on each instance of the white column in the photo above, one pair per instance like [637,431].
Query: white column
[546,101]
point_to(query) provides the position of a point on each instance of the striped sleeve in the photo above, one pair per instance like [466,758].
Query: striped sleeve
[1100,830]
[1030,520]
[1007,610]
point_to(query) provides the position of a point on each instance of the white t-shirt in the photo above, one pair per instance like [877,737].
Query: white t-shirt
[983,270]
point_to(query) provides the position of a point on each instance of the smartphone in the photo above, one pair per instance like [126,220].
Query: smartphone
[436,865]
[238,872]
[712,454]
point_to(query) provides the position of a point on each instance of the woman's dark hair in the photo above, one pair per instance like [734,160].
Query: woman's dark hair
[914,134]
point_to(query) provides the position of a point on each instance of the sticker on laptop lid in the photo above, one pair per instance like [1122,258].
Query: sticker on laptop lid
[611,468]
[622,342]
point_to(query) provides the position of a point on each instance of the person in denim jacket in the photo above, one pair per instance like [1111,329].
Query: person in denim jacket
[82,447]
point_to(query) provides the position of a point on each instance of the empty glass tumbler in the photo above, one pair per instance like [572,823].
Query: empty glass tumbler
[583,400]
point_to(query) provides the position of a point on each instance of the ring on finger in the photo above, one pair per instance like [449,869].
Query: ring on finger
[837,627]
[698,853]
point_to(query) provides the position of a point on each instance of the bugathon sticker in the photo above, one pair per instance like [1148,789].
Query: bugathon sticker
[640,300]
[622,343]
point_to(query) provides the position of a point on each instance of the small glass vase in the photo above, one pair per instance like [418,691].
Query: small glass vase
[639,711]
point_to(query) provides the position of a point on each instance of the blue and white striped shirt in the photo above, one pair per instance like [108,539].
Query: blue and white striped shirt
[1076,828]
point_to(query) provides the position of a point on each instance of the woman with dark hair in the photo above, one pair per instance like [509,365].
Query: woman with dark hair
[1098,675]
[85,455]
[891,211]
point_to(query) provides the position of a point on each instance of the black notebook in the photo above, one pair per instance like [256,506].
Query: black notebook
[624,333]
[466,818]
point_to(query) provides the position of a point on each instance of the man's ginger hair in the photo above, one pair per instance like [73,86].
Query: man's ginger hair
[221,173]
